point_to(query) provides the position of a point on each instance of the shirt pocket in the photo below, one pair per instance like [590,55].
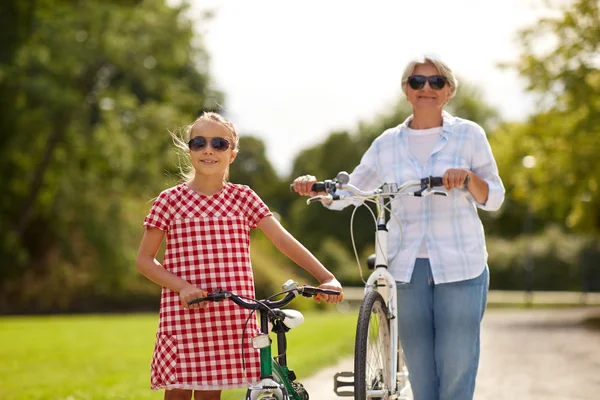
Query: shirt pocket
[164,361]
[446,160]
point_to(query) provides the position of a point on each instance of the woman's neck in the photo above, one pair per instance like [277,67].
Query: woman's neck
[426,120]
[206,185]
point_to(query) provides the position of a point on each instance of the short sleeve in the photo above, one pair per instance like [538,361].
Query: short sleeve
[160,213]
[255,209]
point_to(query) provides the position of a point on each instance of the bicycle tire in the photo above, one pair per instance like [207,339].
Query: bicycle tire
[372,358]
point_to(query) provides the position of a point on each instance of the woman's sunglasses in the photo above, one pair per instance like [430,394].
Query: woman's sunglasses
[436,82]
[217,143]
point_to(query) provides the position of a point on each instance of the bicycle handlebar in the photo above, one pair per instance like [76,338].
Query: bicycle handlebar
[291,294]
[341,182]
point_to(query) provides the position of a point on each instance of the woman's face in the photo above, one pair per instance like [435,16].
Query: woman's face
[427,98]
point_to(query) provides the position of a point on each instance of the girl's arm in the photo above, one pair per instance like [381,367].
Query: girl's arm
[296,252]
[149,266]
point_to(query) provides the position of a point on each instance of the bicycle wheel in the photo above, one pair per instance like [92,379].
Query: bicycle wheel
[372,358]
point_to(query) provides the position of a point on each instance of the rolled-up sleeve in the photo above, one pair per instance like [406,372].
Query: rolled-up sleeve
[484,165]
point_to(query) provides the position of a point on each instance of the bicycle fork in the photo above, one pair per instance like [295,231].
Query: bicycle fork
[383,281]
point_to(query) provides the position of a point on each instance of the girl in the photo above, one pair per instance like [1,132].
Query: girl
[207,223]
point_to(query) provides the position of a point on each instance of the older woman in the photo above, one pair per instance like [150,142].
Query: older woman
[437,252]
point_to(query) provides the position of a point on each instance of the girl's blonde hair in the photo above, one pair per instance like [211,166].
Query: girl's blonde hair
[182,136]
[438,63]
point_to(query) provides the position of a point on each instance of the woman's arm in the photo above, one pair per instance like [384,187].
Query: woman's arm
[296,252]
[365,176]
[456,178]
[149,266]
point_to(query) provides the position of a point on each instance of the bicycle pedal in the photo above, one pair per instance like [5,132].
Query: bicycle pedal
[343,379]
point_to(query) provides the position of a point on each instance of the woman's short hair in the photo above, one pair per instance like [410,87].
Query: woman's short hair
[429,59]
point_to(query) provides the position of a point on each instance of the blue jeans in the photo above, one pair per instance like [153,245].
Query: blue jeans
[439,328]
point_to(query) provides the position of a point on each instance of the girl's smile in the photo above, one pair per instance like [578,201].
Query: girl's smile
[211,151]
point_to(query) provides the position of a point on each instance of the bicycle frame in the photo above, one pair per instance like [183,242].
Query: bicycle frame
[274,374]
[276,379]
[380,280]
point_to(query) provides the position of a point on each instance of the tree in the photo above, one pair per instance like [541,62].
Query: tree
[252,168]
[564,136]
[93,88]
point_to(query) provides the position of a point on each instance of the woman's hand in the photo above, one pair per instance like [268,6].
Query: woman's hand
[191,292]
[331,284]
[455,178]
[303,185]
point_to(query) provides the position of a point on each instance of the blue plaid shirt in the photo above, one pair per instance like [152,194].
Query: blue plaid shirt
[450,225]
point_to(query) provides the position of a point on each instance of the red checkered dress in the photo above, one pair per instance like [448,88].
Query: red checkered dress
[208,245]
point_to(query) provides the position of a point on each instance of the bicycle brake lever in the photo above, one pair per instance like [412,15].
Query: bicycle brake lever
[319,198]
[427,192]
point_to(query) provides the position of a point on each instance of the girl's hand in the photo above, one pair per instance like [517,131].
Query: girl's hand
[455,178]
[191,292]
[303,185]
[331,284]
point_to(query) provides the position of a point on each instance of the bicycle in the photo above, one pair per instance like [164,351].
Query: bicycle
[379,368]
[277,380]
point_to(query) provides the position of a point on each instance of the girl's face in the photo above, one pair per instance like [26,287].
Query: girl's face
[206,159]
[426,97]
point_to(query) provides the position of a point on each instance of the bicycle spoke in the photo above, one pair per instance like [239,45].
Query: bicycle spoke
[372,360]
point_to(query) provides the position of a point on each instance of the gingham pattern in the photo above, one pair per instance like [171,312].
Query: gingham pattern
[450,225]
[208,244]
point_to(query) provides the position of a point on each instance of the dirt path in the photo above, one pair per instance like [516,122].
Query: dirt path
[526,355]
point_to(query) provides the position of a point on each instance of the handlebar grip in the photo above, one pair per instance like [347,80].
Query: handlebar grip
[319,187]
[330,291]
[436,181]
[197,300]
[217,295]
[312,291]
[316,187]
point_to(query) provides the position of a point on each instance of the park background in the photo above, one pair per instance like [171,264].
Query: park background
[89,90]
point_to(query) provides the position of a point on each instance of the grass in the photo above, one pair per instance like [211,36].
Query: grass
[108,356]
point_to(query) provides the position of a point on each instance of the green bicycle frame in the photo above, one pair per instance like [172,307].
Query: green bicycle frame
[270,367]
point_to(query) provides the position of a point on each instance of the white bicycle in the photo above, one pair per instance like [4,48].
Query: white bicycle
[379,368]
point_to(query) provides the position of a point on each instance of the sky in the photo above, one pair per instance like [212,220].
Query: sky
[292,72]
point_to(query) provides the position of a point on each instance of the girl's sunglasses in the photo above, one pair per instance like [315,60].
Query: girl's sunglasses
[436,82]
[217,143]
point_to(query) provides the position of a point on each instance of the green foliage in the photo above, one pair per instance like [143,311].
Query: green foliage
[565,135]
[560,261]
[92,90]
[341,262]
[251,167]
